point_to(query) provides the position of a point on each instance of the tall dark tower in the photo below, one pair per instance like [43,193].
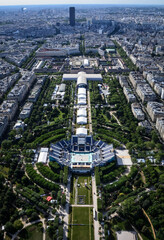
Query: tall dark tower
[72,16]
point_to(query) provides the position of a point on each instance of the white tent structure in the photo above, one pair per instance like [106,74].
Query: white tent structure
[82,96]
[43,155]
[82,101]
[81,91]
[81,120]
[81,131]
[82,77]
[82,112]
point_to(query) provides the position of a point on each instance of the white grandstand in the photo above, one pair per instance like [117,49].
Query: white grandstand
[81,153]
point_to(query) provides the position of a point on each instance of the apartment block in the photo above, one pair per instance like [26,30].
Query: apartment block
[145,124]
[160,126]
[26,111]
[155,110]
[123,80]
[34,93]
[18,92]
[3,124]
[129,95]
[7,82]
[8,108]
[137,111]
[28,79]
[145,92]
[136,78]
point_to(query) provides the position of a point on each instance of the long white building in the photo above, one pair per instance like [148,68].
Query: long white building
[82,77]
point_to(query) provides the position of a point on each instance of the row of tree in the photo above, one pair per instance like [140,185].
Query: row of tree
[39,180]
[48,173]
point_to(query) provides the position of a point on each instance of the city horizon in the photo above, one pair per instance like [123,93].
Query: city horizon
[83,4]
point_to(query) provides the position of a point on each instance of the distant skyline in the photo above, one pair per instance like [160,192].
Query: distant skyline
[70,2]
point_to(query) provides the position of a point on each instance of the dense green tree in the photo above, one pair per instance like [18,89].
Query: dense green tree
[9,227]
[18,225]
[6,144]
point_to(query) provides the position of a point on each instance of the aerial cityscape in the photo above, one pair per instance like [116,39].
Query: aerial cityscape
[81,121]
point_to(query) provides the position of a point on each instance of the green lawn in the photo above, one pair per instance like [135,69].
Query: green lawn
[32,232]
[4,171]
[82,215]
[83,190]
[81,233]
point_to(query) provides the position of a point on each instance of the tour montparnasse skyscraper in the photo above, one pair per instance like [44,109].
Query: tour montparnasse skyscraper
[72,16]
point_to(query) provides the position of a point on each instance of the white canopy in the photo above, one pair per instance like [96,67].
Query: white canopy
[81,120]
[81,91]
[94,77]
[43,155]
[81,131]
[82,112]
[81,80]
[82,101]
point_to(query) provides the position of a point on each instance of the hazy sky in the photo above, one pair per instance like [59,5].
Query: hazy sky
[38,2]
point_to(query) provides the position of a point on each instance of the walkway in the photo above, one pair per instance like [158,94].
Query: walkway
[112,114]
[78,205]
[44,229]
[96,222]
[36,168]
[143,177]
[66,210]
[150,223]
[29,224]
[76,191]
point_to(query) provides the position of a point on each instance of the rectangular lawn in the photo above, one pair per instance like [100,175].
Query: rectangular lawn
[83,190]
[82,215]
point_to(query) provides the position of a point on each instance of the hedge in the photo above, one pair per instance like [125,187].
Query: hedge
[39,180]
[47,172]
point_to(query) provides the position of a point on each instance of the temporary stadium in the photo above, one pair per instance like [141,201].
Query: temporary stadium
[81,153]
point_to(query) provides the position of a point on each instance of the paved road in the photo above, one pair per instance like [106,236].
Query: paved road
[76,191]
[44,229]
[66,210]
[96,222]
[78,205]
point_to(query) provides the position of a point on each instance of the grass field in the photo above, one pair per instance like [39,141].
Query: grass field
[83,192]
[81,218]
[4,171]
[32,232]
[81,215]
